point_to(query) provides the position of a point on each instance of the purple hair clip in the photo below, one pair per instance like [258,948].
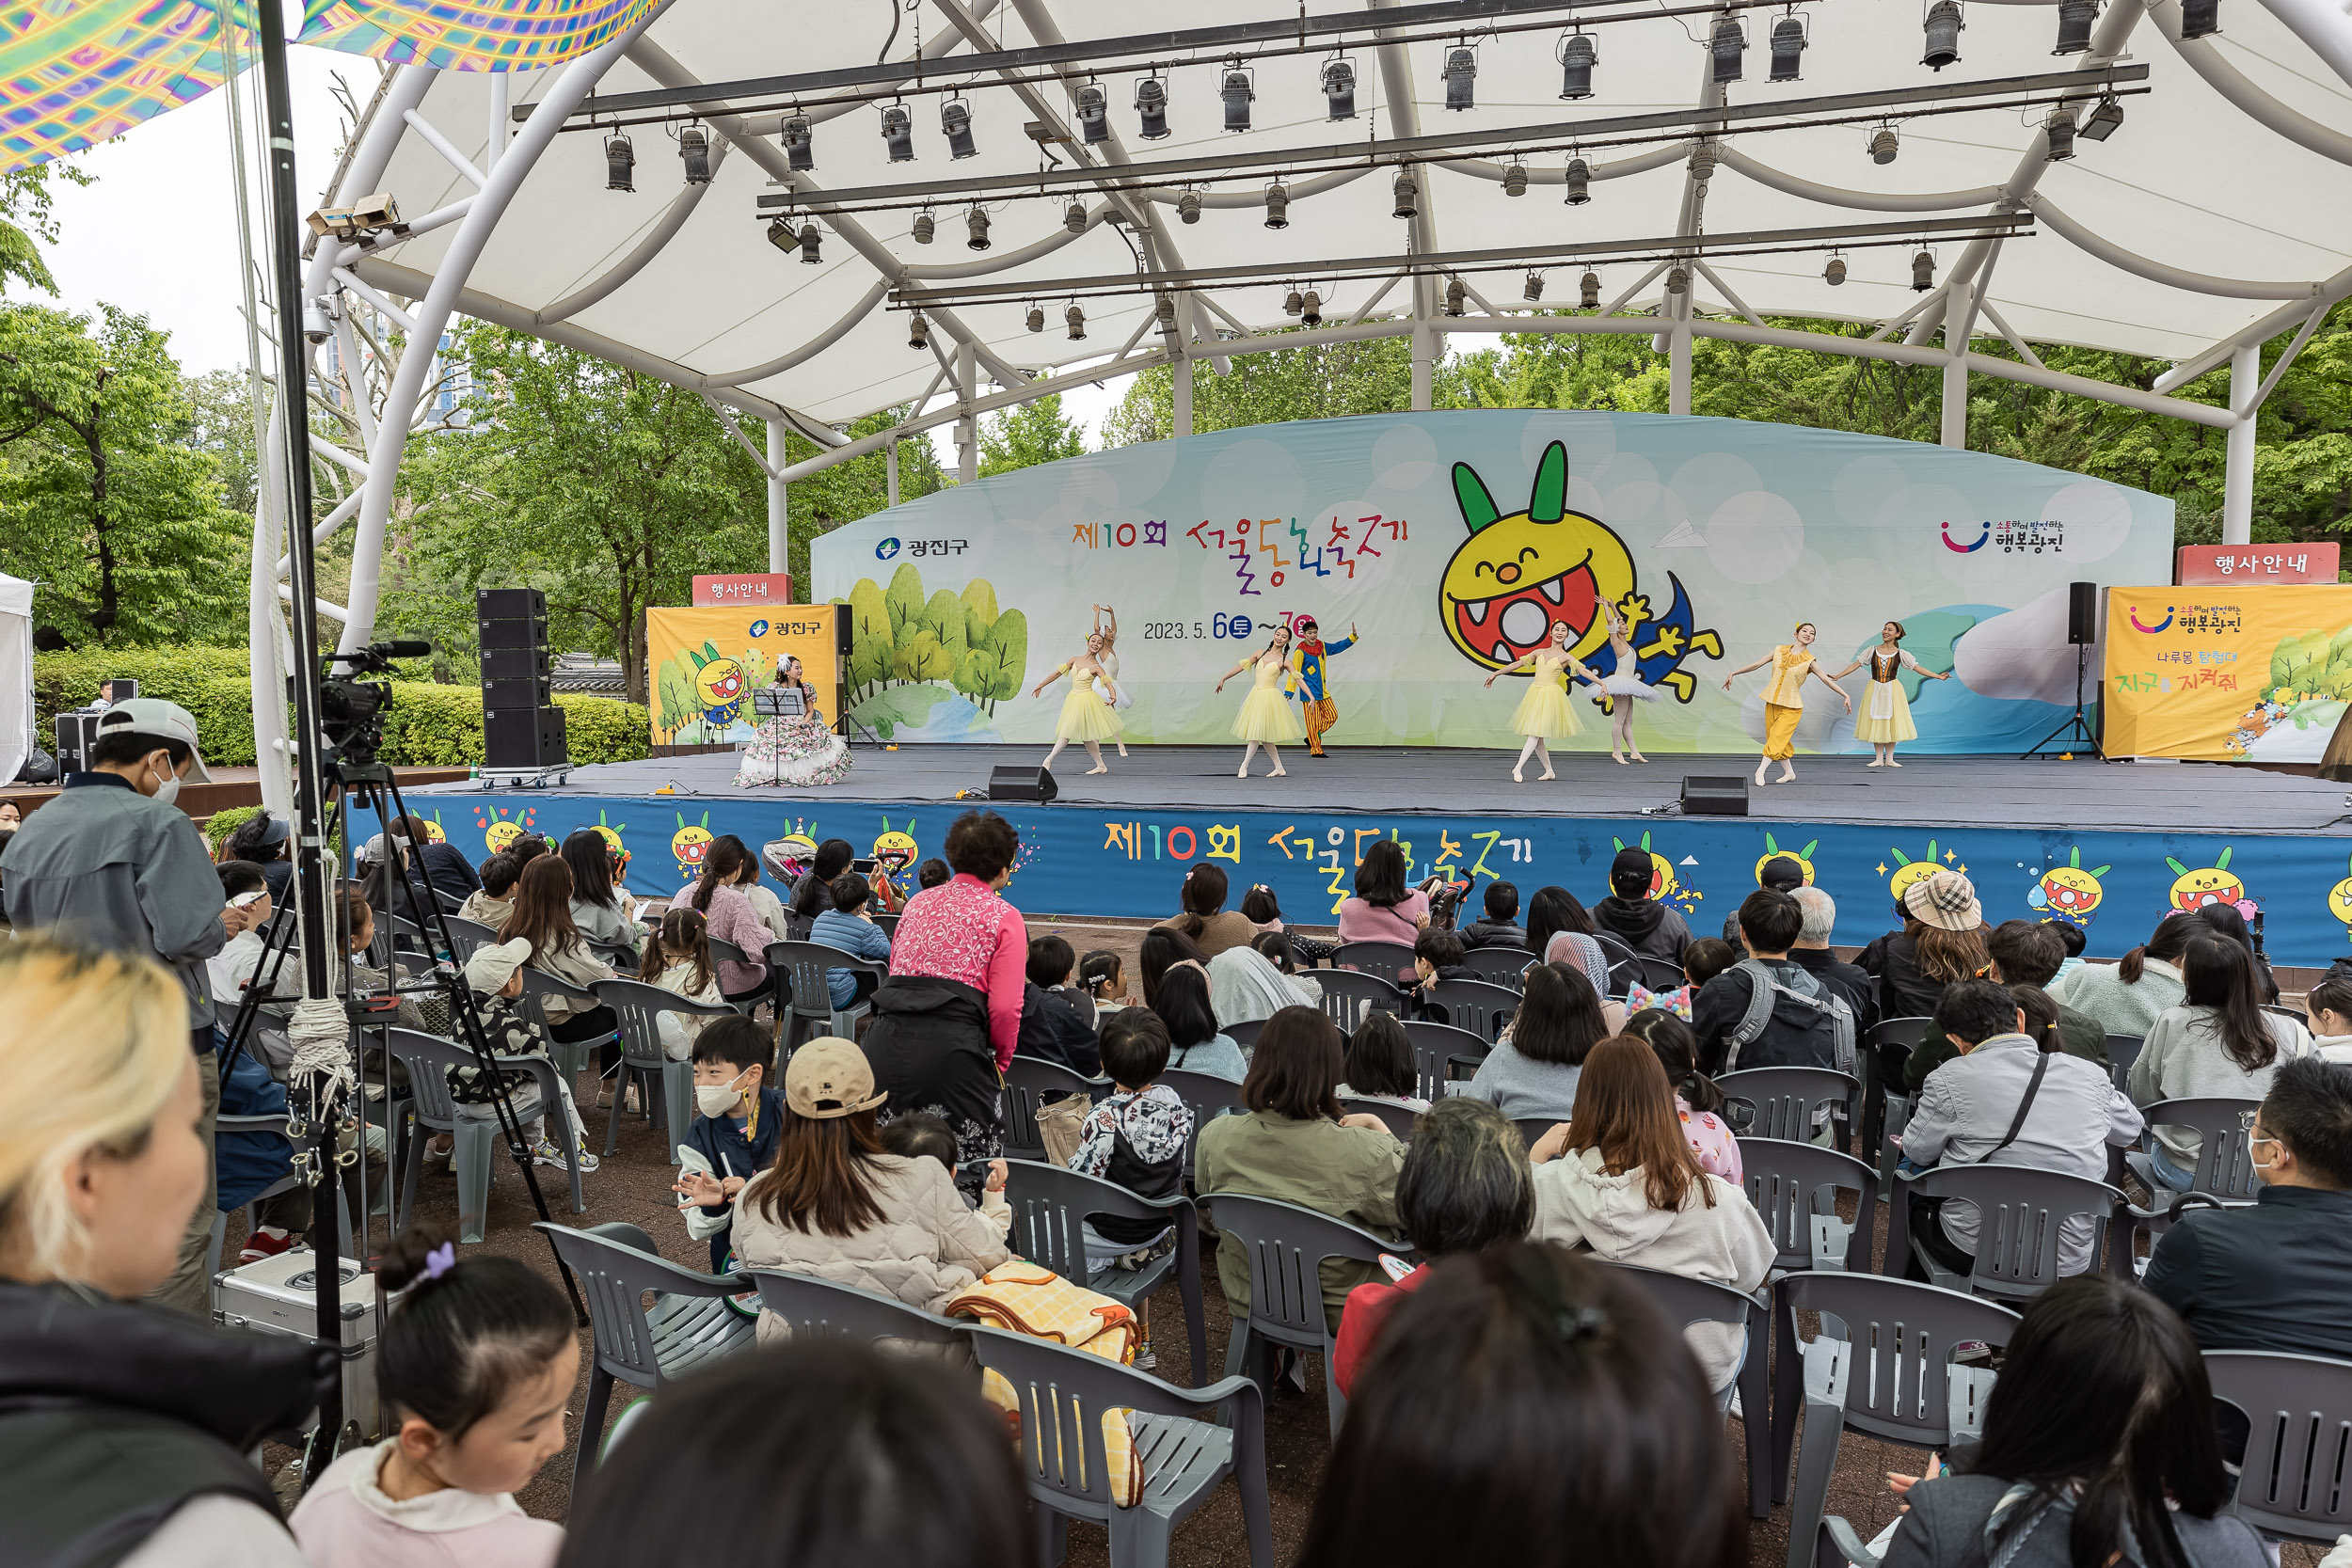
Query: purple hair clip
[441,1261]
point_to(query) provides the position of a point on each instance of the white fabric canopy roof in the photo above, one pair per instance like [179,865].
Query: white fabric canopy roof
[16,676]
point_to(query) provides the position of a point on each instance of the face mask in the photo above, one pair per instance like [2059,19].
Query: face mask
[720,1100]
[168,791]
[2251,1143]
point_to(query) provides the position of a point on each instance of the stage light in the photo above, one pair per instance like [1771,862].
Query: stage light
[1454,293]
[1164,312]
[809,240]
[799,150]
[1533,288]
[1922,272]
[919,331]
[1677,280]
[1834,274]
[1278,206]
[1310,310]
[1883,145]
[1073,217]
[620,163]
[1238,95]
[976,223]
[1942,25]
[2199,19]
[924,224]
[2074,19]
[1036,318]
[779,234]
[1077,320]
[1726,44]
[1151,107]
[694,150]
[1515,180]
[2060,131]
[1579,175]
[1292,304]
[954,123]
[1407,193]
[1588,291]
[1576,58]
[1188,206]
[898,131]
[1788,45]
[1094,115]
[1461,78]
[1702,164]
[1339,89]
[2105,117]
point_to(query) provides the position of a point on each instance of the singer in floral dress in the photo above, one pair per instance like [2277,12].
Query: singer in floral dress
[793,746]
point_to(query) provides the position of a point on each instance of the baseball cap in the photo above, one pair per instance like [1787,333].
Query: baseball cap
[1631,864]
[153,716]
[494,963]
[274,833]
[1781,874]
[829,1077]
[1946,900]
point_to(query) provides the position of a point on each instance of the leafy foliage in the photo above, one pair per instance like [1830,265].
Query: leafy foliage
[25,218]
[1321,382]
[1030,434]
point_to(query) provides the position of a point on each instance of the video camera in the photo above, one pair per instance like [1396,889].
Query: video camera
[351,710]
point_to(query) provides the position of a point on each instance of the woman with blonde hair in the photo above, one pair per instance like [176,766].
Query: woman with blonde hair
[102,1166]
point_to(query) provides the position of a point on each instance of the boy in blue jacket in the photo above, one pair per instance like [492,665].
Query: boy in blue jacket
[734,1136]
[849,927]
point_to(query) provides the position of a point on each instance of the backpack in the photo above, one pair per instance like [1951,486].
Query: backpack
[1797,1024]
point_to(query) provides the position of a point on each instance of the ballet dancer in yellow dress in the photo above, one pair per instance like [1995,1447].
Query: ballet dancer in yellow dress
[1545,714]
[1267,716]
[1886,711]
[1784,699]
[1087,716]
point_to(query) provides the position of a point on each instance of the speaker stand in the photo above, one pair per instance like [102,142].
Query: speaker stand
[2074,734]
[851,730]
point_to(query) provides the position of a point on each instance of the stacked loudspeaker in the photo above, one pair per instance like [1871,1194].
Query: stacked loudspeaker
[521,726]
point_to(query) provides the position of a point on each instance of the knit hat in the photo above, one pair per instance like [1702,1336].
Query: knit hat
[829,1077]
[494,963]
[1631,866]
[1782,874]
[1946,900]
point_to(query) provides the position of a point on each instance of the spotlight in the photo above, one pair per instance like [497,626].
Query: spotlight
[1164,312]
[1036,318]
[694,150]
[1834,274]
[2105,117]
[1454,293]
[1073,217]
[919,331]
[1727,43]
[1407,193]
[800,150]
[1533,288]
[1151,107]
[1588,290]
[2060,132]
[1238,95]
[1788,44]
[1094,117]
[977,222]
[2074,19]
[1461,77]
[1576,58]
[1339,89]
[924,223]
[898,131]
[1677,280]
[1292,304]
[1188,206]
[779,234]
[620,163]
[1077,320]
[1310,310]
[2199,18]
[809,239]
[1883,145]
[1943,28]
[1703,162]
[954,123]
[1922,272]
[1515,180]
[1278,206]
[1580,176]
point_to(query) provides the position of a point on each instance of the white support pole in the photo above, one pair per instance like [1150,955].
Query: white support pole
[1679,367]
[1957,315]
[779,529]
[2238,470]
[967,424]
[1183,394]
[890,470]
[1420,356]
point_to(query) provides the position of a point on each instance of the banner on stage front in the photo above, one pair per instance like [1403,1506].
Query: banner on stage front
[1434,549]
[2238,674]
[706,661]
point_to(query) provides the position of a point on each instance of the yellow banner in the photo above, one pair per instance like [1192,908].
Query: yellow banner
[2227,673]
[706,661]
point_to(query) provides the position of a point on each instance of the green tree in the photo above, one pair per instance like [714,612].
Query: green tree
[999,661]
[1030,434]
[943,615]
[101,498]
[905,602]
[220,423]
[24,219]
[871,642]
[1321,382]
[860,487]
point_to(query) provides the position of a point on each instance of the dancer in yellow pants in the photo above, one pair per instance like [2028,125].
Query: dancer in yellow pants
[1784,699]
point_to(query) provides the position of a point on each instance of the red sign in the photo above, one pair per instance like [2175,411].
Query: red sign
[753,588]
[2212,565]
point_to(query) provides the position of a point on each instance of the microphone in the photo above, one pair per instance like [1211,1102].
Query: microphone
[408,647]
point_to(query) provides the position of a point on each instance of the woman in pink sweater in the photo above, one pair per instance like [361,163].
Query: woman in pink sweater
[719,899]
[945,1021]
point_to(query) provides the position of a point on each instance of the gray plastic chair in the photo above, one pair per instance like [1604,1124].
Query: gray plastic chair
[1789,1101]
[465,936]
[1064,1394]
[800,970]
[2295,1483]
[2225,1163]
[1474,1006]
[1501,966]
[1688,1300]
[283,1184]
[639,1007]
[1784,1179]
[621,955]
[1399,1119]
[572,1056]
[812,1306]
[688,1325]
[1208,1096]
[2021,1214]
[475,1139]
[1385,960]
[1348,996]
[1244,1033]
[1286,1244]
[1027,1083]
[1533,1128]
[1050,1206]
[745,1002]
[1881,1366]
[1438,1050]
[2122,1051]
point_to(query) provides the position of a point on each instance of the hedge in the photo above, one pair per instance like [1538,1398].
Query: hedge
[428,725]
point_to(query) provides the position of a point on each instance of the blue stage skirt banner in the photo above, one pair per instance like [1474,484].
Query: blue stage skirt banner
[1435,548]
[1080,862]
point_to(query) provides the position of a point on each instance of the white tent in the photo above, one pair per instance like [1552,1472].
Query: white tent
[16,676]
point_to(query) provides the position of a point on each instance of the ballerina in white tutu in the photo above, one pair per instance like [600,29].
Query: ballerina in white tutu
[1545,714]
[1624,687]
[1087,714]
[1106,683]
[1886,711]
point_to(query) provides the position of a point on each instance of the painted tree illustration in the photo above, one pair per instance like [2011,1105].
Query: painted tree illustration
[869,637]
[998,662]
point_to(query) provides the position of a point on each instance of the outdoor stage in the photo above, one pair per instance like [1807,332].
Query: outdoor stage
[2113,844]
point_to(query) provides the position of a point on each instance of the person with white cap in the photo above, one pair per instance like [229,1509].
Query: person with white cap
[113,862]
[495,975]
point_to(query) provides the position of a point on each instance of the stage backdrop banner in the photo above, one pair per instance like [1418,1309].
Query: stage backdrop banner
[706,661]
[1440,547]
[2242,673]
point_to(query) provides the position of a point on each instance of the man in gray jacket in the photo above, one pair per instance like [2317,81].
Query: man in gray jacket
[112,861]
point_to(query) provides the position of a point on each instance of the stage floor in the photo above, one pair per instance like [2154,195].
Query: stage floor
[1981,791]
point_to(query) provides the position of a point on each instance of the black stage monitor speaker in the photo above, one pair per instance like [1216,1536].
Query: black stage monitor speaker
[523,738]
[1714,797]
[1022,783]
[2082,614]
[509,604]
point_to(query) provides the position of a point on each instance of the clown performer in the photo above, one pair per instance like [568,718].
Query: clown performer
[1784,699]
[1313,681]
[1885,712]
[1545,714]
[1087,716]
